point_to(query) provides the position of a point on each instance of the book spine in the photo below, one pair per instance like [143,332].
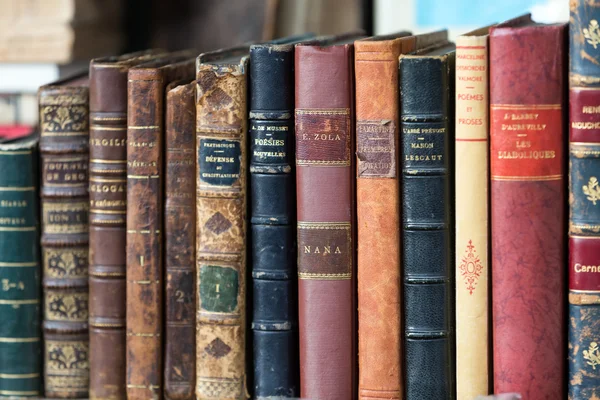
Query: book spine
[427,223]
[108,205]
[64,114]
[20,284]
[325,208]
[472,242]
[221,124]
[584,222]
[527,135]
[273,216]
[180,237]
[378,220]
[144,321]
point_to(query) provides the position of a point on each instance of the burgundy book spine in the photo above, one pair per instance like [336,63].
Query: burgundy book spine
[325,182]
[528,134]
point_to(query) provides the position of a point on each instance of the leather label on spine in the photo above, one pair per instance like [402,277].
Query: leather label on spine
[376,149]
[526,142]
[219,288]
[324,250]
[69,217]
[219,161]
[584,263]
[269,141]
[65,171]
[584,114]
[323,137]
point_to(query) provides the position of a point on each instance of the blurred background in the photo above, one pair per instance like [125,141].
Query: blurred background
[43,40]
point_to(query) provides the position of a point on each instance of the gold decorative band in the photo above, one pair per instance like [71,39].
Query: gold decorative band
[16,188]
[19,393]
[109,118]
[143,231]
[143,176]
[103,161]
[15,153]
[324,277]
[150,387]
[144,282]
[143,334]
[584,291]
[526,106]
[19,340]
[18,264]
[143,127]
[324,163]
[528,178]
[573,144]
[17,229]
[108,180]
[17,302]
[104,274]
[80,184]
[19,376]
[584,237]
[68,159]
[52,134]
[107,325]
[322,111]
[323,225]
[97,211]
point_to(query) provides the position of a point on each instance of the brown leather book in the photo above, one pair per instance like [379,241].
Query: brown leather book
[108,193]
[145,139]
[180,240]
[221,124]
[325,182]
[64,112]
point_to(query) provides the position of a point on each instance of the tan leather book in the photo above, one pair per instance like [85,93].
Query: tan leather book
[472,177]
[180,238]
[145,142]
[64,113]
[221,126]
[378,211]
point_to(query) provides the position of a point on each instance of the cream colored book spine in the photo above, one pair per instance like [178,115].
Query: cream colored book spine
[472,178]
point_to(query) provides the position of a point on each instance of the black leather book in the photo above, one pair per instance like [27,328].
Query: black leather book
[273,216]
[427,110]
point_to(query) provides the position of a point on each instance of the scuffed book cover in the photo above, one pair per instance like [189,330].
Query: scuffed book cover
[584,196]
[108,195]
[144,254]
[20,274]
[180,241]
[325,181]
[472,225]
[64,114]
[528,134]
[427,127]
[221,201]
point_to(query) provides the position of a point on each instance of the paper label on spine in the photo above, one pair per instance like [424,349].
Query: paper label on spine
[376,149]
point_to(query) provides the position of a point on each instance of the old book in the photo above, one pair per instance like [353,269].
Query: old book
[584,193]
[527,133]
[20,275]
[145,141]
[180,241]
[427,126]
[108,190]
[472,227]
[221,199]
[325,182]
[64,114]
[272,218]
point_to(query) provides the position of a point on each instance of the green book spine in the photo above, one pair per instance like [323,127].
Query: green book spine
[20,287]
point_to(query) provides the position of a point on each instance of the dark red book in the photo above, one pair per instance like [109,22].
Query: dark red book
[528,133]
[326,213]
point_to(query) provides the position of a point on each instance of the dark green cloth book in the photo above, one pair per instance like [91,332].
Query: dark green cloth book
[20,334]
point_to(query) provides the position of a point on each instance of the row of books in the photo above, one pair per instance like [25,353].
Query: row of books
[363,246]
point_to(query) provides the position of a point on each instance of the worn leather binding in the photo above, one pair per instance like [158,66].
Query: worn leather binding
[20,331]
[325,183]
[221,123]
[145,139]
[64,113]
[108,191]
[378,216]
[584,223]
[427,111]
[180,240]
[273,216]
[472,228]
[527,208]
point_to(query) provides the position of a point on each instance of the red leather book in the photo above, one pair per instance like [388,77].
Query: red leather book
[325,199]
[528,133]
